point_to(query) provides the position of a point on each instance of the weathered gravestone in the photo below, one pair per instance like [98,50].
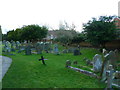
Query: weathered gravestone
[76,52]
[68,63]
[112,58]
[8,46]
[104,52]
[56,51]
[75,62]
[39,48]
[97,63]
[28,49]
[105,67]
[109,60]
[18,45]
[13,46]
[109,76]
[70,50]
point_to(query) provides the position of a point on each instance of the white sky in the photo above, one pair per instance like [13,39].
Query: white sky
[16,13]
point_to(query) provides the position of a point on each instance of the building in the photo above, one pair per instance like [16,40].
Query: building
[117,22]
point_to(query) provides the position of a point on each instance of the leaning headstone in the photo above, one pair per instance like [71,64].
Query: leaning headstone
[97,63]
[28,49]
[105,67]
[68,63]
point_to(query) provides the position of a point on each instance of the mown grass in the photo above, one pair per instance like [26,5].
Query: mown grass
[28,72]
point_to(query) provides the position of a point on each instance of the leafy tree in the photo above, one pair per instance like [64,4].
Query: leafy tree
[33,32]
[11,35]
[99,31]
[78,38]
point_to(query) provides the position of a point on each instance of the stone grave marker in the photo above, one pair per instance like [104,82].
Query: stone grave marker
[28,49]
[104,52]
[76,52]
[97,63]
[39,48]
[68,63]
[75,62]
[112,59]
[13,46]
[105,65]
[56,51]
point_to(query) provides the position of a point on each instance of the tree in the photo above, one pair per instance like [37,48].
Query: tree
[78,38]
[100,31]
[33,32]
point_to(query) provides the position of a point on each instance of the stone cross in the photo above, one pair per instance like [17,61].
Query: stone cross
[97,63]
[42,58]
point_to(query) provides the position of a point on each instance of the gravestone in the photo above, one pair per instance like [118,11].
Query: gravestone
[104,52]
[39,48]
[70,50]
[13,46]
[105,67]
[76,52]
[116,55]
[8,47]
[28,49]
[18,45]
[109,76]
[112,59]
[75,62]
[68,63]
[97,63]
[56,51]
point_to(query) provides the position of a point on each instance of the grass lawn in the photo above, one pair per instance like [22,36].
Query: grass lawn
[28,72]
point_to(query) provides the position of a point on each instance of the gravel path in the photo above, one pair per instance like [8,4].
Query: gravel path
[5,63]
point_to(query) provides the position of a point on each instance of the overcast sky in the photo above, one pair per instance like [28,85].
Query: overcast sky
[16,13]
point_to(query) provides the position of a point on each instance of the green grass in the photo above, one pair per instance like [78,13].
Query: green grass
[28,72]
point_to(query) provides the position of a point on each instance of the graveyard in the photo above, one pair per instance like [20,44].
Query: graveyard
[35,56]
[28,71]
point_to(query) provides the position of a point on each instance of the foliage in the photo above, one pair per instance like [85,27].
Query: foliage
[78,38]
[65,36]
[29,32]
[33,32]
[100,31]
